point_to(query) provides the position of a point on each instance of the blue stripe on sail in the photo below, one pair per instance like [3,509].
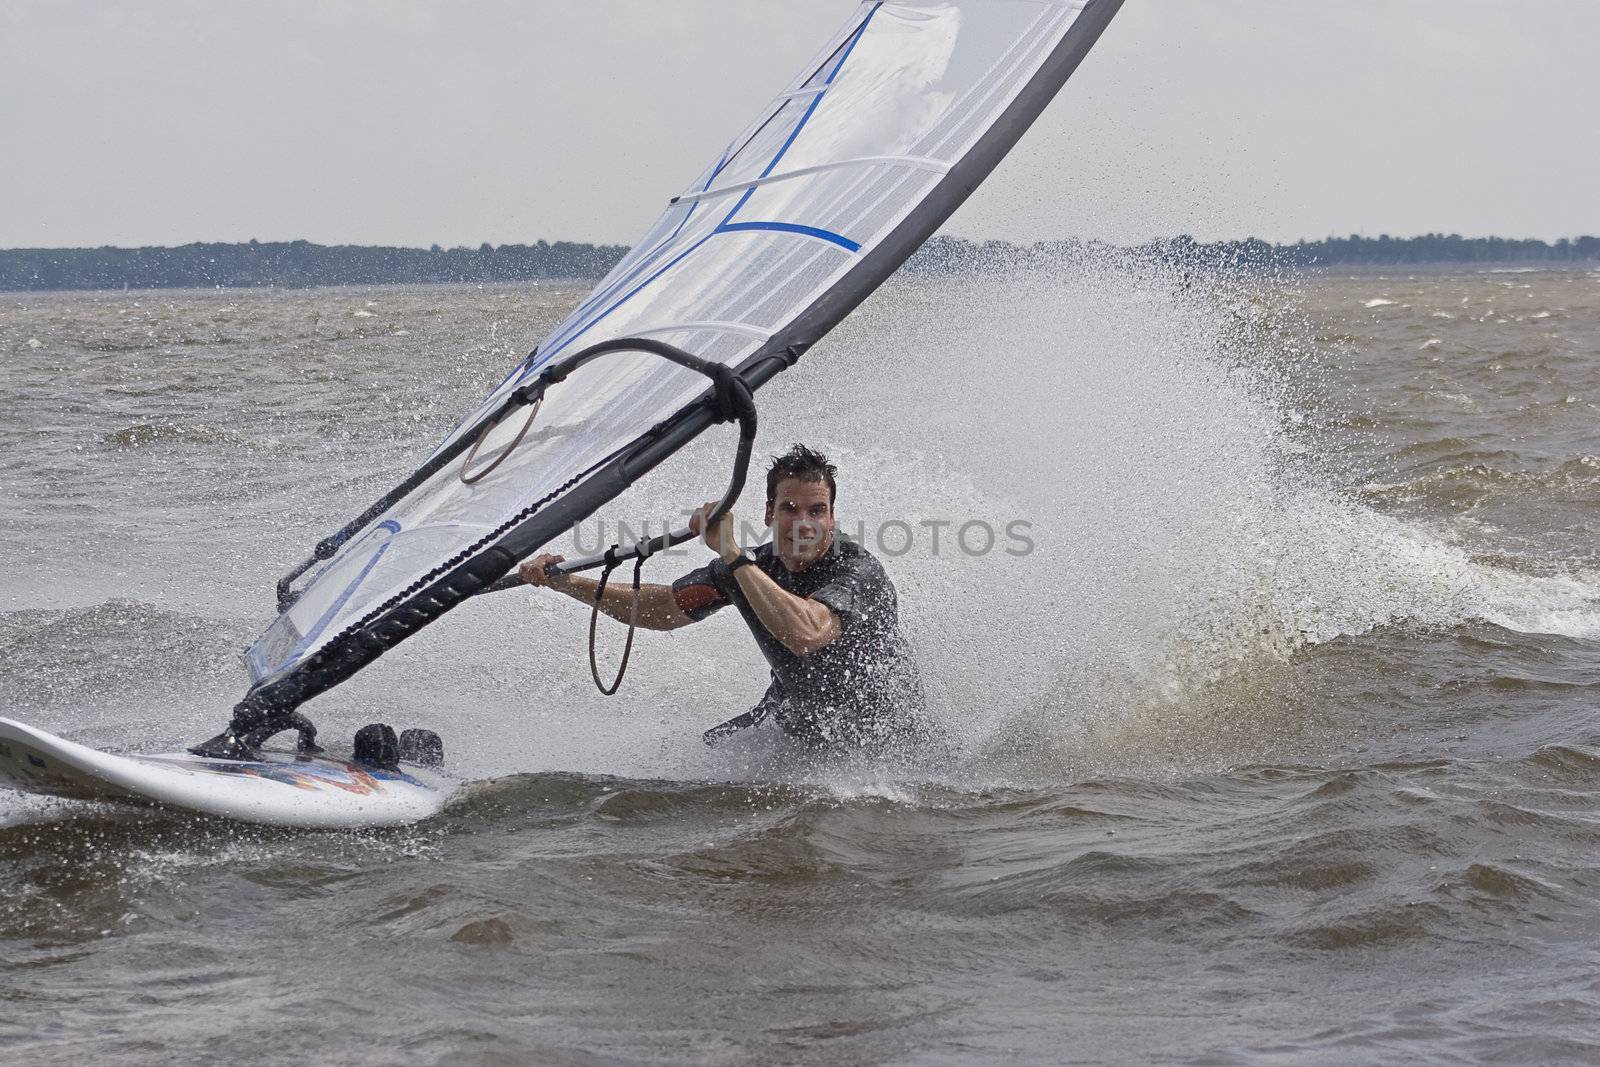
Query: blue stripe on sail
[815,101]
[794,227]
[554,349]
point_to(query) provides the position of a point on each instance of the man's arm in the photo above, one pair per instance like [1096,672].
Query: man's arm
[801,625]
[658,608]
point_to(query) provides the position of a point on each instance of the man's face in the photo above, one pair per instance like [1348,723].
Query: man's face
[801,518]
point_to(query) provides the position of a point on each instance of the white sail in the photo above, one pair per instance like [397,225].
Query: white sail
[820,198]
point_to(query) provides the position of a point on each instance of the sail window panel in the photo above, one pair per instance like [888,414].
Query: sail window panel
[274,649]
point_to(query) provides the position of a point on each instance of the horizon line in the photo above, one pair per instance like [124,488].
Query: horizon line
[438,247]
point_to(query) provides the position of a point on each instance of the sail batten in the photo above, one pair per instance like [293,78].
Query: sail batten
[809,208]
[743,329]
[937,166]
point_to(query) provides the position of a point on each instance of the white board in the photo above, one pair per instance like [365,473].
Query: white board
[281,789]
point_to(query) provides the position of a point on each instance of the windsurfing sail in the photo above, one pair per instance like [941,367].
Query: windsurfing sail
[836,182]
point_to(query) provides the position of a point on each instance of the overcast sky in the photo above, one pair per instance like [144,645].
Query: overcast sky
[420,121]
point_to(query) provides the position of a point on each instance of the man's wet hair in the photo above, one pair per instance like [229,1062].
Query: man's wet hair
[806,464]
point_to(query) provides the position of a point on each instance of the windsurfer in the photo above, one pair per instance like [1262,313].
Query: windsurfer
[821,608]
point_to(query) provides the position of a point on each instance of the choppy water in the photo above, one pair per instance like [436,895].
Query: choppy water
[1283,745]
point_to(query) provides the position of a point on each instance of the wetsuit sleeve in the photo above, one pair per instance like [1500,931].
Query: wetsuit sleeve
[858,590]
[702,591]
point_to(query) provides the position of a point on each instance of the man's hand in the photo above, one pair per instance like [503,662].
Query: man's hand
[533,571]
[719,538]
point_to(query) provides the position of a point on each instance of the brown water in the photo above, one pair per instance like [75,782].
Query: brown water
[1282,746]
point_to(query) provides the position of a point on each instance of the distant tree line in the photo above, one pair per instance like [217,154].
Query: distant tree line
[1443,248]
[952,253]
[297,264]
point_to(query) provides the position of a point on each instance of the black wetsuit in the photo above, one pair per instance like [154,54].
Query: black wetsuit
[862,688]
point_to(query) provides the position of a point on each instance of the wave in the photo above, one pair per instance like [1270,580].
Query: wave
[148,434]
[1469,482]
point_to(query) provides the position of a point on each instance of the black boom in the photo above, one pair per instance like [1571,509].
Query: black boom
[484,566]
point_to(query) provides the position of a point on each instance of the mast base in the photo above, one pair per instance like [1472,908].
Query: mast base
[250,728]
